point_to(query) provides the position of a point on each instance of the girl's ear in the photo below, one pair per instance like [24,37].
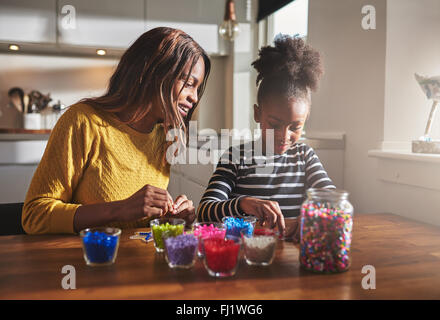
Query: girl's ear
[257,113]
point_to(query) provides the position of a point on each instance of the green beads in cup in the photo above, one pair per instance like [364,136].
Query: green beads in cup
[159,229]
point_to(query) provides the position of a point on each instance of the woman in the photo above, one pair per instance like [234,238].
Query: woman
[104,163]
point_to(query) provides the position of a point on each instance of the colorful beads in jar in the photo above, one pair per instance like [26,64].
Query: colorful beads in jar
[221,255]
[207,229]
[171,226]
[181,250]
[234,226]
[259,247]
[326,231]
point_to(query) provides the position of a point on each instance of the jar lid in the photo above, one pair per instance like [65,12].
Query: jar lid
[325,193]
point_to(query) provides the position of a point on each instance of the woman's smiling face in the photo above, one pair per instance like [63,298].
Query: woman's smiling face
[188,97]
[286,117]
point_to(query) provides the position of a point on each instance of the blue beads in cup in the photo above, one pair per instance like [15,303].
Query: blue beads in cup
[100,245]
[234,226]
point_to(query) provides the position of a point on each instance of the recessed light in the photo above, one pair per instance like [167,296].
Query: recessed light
[14,47]
[101,52]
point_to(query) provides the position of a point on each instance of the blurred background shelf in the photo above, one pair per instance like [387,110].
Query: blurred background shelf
[17,134]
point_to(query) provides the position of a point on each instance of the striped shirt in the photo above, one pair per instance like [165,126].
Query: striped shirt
[282,178]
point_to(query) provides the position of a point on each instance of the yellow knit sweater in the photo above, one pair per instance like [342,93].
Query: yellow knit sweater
[91,157]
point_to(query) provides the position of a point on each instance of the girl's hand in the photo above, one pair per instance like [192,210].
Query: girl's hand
[183,209]
[267,212]
[148,202]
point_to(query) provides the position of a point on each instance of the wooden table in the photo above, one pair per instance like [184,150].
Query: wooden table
[405,254]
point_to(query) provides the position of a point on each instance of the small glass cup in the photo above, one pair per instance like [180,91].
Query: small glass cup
[259,247]
[180,251]
[217,228]
[100,245]
[171,226]
[221,255]
[233,229]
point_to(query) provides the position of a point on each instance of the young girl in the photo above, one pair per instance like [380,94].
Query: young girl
[287,73]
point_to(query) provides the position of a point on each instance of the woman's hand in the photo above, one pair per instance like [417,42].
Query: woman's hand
[148,202]
[183,209]
[267,212]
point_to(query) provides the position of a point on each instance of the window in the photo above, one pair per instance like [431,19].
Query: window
[291,19]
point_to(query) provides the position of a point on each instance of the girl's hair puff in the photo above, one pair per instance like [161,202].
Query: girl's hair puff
[289,68]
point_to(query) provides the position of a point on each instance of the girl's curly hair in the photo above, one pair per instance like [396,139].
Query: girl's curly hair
[290,68]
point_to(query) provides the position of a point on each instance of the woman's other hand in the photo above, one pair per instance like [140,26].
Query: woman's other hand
[183,209]
[148,202]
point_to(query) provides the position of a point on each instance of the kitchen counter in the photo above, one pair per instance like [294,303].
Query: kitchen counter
[404,253]
[23,134]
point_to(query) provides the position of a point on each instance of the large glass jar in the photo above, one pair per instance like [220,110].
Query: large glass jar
[326,228]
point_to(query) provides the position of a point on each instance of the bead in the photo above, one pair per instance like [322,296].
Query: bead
[235,225]
[99,246]
[181,250]
[170,229]
[325,238]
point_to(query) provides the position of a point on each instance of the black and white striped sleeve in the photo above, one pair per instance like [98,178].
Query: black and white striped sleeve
[316,176]
[217,201]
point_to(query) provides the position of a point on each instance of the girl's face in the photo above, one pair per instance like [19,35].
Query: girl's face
[286,117]
[189,95]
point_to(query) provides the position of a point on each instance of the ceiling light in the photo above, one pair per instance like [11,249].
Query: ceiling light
[14,47]
[229,29]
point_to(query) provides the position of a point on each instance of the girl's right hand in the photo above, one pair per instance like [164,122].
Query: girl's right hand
[148,202]
[265,211]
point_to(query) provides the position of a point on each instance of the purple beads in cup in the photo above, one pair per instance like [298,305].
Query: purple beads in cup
[181,250]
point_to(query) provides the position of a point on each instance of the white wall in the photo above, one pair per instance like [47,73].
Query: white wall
[351,94]
[369,92]
[413,46]
[211,111]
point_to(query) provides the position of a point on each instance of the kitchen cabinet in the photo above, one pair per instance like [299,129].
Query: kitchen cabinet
[102,23]
[194,11]
[19,158]
[74,25]
[190,180]
[187,185]
[199,18]
[28,21]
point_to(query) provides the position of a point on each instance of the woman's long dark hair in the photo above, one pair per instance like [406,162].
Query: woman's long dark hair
[147,73]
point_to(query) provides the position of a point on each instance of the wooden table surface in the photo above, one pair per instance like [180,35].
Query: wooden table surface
[405,254]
